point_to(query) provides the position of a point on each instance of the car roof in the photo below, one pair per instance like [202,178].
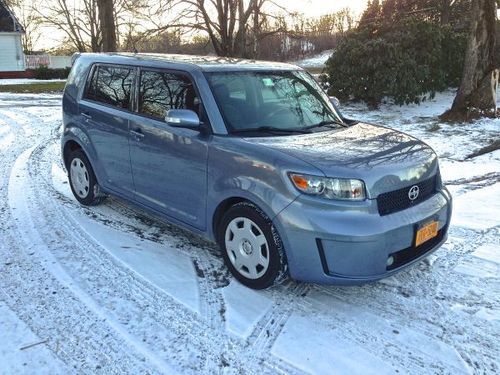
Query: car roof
[186,62]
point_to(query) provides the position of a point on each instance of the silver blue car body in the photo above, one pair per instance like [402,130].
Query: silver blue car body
[189,177]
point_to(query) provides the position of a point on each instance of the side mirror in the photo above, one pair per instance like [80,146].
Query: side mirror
[335,101]
[182,118]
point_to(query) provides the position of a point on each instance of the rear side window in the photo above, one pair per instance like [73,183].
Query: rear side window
[160,92]
[111,85]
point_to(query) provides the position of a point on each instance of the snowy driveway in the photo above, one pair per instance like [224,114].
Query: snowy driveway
[112,289]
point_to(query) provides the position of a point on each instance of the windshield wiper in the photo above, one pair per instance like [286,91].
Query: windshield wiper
[327,123]
[271,129]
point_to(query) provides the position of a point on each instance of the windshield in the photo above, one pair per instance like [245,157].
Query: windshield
[279,100]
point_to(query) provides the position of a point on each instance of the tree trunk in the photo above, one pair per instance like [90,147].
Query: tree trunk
[108,28]
[256,30]
[445,12]
[486,92]
[476,95]
[239,42]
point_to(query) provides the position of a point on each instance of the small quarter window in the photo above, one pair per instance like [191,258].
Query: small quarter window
[111,85]
[162,91]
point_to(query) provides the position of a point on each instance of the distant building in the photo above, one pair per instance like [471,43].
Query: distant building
[296,45]
[11,49]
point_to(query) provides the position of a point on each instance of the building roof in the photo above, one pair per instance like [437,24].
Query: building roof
[8,21]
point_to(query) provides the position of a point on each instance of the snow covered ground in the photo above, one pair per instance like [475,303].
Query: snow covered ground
[112,289]
[317,61]
[27,81]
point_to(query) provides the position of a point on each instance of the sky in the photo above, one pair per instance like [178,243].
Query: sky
[310,8]
[314,8]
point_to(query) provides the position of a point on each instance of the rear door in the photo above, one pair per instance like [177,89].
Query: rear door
[105,109]
[169,164]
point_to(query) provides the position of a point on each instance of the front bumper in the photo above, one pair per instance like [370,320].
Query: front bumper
[350,243]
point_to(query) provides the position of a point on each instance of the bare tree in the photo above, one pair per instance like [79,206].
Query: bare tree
[228,23]
[31,23]
[477,92]
[323,31]
[89,24]
[78,21]
[107,23]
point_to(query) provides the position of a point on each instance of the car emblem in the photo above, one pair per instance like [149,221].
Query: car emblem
[413,192]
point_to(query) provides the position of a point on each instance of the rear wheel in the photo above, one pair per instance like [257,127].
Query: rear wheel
[252,248]
[82,179]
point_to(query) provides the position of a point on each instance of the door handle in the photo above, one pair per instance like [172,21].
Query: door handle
[86,116]
[137,133]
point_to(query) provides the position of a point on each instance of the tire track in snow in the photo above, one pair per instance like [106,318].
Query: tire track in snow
[25,286]
[211,272]
[161,312]
[124,348]
[196,341]
[7,133]
[34,294]
[286,297]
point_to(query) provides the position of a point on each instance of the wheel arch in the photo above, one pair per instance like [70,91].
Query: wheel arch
[221,209]
[228,202]
[70,146]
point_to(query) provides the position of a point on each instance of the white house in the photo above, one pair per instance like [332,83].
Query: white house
[11,49]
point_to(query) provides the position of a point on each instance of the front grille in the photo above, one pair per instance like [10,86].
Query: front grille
[398,200]
[410,253]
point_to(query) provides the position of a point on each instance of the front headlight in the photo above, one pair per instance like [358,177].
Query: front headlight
[330,188]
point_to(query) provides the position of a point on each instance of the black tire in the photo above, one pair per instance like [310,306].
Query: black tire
[277,265]
[92,195]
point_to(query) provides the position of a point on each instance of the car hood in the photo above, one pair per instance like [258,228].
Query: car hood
[383,158]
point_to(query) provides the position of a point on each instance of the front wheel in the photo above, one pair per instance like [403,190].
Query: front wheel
[82,179]
[251,246]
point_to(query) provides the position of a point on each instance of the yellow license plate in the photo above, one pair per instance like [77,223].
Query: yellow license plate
[427,232]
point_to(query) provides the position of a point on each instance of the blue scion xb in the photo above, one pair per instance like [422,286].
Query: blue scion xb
[256,157]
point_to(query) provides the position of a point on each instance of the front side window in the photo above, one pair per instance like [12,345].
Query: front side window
[111,85]
[160,92]
[282,100]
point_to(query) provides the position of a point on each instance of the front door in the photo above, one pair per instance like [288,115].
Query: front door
[169,164]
